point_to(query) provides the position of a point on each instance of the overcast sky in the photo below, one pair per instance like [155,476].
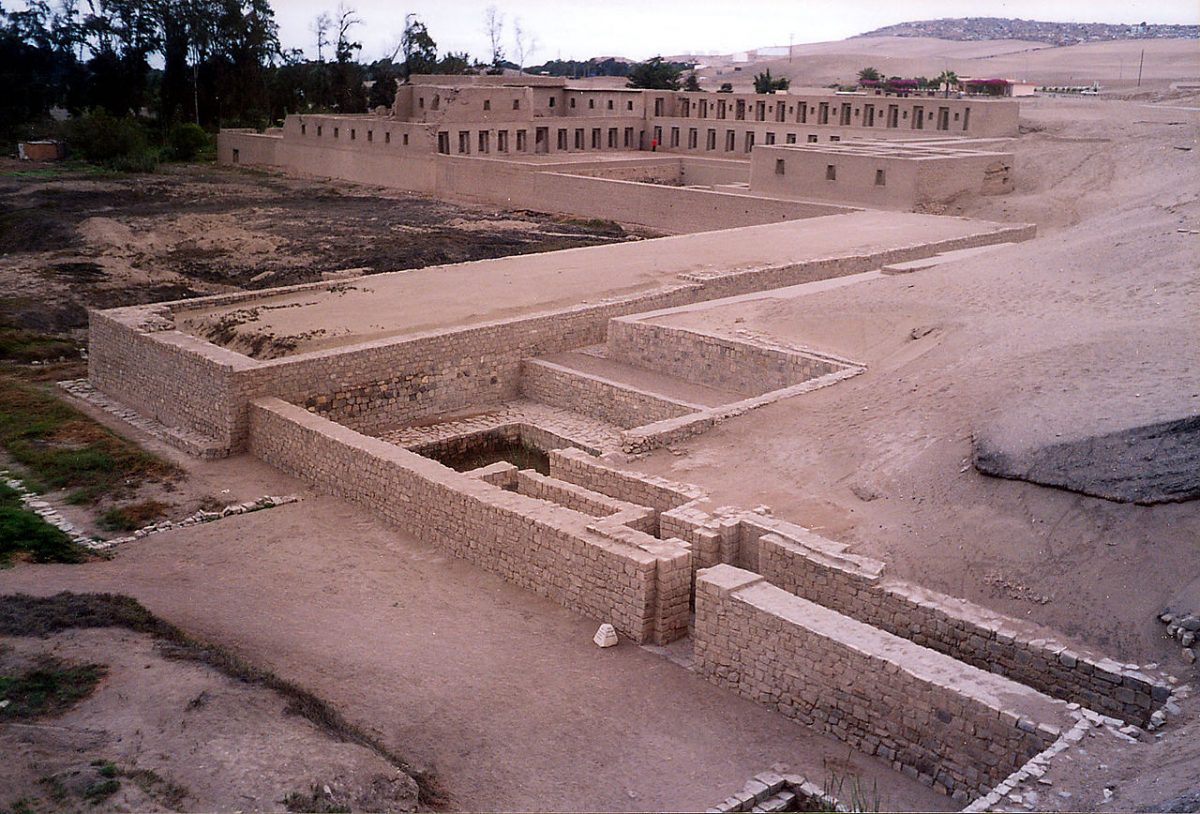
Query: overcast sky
[642,28]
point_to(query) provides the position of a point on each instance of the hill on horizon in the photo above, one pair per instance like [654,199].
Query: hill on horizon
[1004,28]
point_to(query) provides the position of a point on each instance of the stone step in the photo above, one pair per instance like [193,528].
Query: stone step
[668,387]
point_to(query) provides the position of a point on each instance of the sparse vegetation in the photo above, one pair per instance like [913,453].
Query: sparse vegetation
[23,531]
[133,516]
[63,449]
[50,688]
[849,790]
[23,346]
[314,801]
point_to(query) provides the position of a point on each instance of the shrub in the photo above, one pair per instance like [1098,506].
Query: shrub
[187,140]
[119,143]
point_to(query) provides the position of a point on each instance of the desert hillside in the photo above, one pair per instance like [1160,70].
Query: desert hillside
[1113,64]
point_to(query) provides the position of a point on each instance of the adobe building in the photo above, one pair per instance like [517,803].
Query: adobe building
[541,136]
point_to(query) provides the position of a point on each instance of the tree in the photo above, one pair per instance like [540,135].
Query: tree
[347,19]
[525,44]
[764,83]
[320,27]
[692,84]
[420,51]
[493,26]
[654,74]
[868,75]
[947,79]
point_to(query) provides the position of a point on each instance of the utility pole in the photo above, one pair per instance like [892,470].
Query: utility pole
[1140,61]
[791,43]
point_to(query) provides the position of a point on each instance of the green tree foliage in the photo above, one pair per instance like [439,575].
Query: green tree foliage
[765,83]
[655,74]
[577,69]
[947,79]
[868,74]
[420,50]
[692,84]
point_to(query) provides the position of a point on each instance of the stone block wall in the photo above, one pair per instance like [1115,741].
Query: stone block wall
[954,727]
[626,578]
[188,385]
[749,367]
[620,404]
[807,565]
[585,501]
[575,466]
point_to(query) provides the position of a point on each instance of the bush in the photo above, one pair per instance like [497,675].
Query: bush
[186,141]
[119,143]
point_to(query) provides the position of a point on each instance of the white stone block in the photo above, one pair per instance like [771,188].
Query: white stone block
[606,636]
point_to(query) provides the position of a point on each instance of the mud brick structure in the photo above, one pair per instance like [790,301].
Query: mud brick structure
[537,142]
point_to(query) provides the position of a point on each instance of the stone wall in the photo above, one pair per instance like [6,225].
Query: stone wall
[749,367]
[575,466]
[188,385]
[585,501]
[378,385]
[617,403]
[807,565]
[625,577]
[954,727]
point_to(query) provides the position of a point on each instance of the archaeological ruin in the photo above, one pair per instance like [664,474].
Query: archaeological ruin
[504,424]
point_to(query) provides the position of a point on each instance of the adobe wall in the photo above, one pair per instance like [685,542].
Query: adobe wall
[906,181]
[954,727]
[628,578]
[866,114]
[248,148]
[665,208]
[807,565]
[746,367]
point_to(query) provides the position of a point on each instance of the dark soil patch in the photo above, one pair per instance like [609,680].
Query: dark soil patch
[23,615]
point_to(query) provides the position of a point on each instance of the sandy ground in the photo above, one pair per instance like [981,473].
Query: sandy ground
[210,742]
[1096,318]
[502,694]
[400,304]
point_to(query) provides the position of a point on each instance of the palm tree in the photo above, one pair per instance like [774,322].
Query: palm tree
[868,74]
[947,79]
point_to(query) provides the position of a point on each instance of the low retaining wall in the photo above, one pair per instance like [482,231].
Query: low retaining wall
[628,578]
[809,566]
[616,403]
[956,728]
[749,367]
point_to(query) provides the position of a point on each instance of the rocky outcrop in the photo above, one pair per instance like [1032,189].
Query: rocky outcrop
[1146,464]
